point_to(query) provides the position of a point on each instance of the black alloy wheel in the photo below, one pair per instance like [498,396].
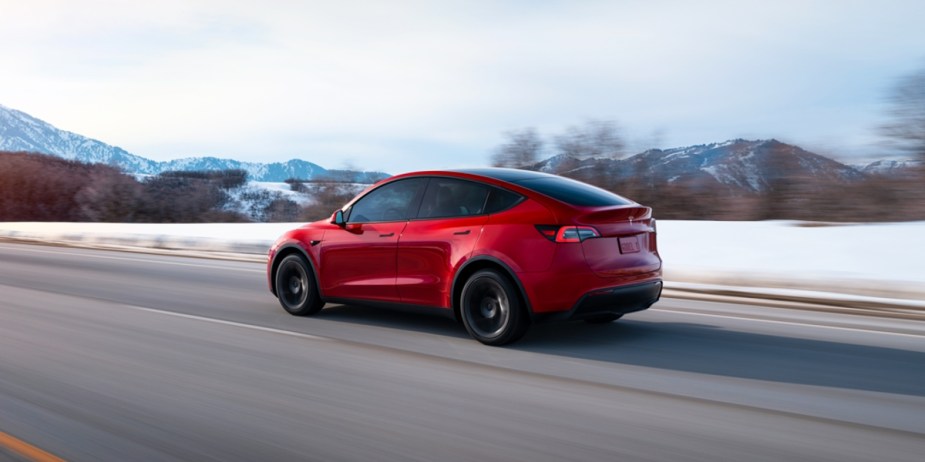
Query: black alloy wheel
[295,287]
[491,310]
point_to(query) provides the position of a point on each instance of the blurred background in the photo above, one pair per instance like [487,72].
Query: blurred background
[234,111]
[172,141]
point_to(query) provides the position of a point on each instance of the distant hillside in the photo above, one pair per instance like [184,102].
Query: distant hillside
[737,165]
[889,167]
[21,132]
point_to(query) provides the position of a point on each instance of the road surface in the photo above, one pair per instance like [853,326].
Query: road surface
[123,356]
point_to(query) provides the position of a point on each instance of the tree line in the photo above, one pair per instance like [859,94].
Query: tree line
[35,187]
[39,187]
[876,198]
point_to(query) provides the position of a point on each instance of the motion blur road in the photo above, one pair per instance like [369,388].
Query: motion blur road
[122,356]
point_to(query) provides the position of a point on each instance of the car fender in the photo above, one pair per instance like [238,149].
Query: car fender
[284,249]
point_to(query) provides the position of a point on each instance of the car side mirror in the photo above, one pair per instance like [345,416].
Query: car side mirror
[338,218]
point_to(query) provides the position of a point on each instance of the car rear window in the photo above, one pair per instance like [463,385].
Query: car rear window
[573,192]
[500,199]
[450,197]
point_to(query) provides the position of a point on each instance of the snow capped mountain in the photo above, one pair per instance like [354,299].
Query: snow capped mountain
[889,167]
[738,165]
[21,132]
[750,166]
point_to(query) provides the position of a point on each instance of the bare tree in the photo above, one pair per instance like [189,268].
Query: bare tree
[282,210]
[109,196]
[596,139]
[523,148]
[327,197]
[296,185]
[907,129]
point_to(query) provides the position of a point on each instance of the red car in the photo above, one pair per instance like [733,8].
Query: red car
[498,249]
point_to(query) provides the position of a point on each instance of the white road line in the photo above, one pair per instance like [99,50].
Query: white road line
[316,337]
[142,260]
[789,323]
[227,323]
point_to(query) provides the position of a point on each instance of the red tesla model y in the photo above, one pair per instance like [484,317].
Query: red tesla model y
[497,249]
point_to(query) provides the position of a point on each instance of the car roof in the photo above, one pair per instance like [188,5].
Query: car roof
[499,177]
[524,182]
[510,175]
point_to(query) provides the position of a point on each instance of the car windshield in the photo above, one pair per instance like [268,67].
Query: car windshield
[573,192]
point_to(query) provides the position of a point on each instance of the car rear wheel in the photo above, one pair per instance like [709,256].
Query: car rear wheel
[603,319]
[295,287]
[491,310]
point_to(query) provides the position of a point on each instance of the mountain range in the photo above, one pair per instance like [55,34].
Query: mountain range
[889,167]
[22,132]
[740,166]
[737,165]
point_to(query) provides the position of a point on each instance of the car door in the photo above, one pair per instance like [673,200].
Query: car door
[438,240]
[358,260]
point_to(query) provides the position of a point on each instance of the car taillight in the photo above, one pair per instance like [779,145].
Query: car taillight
[567,233]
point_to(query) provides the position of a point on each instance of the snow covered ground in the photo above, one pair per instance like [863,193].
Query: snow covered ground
[253,198]
[284,189]
[871,260]
[884,259]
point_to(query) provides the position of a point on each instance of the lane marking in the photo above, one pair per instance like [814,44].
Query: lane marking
[510,368]
[316,337]
[679,396]
[26,450]
[109,257]
[228,323]
[789,323]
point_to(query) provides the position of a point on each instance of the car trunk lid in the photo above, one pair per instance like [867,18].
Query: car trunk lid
[627,243]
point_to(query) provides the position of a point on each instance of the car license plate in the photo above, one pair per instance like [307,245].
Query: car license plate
[629,244]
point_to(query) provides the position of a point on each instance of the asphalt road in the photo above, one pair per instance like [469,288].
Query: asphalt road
[122,356]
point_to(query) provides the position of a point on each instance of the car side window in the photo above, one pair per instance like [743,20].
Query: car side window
[394,201]
[501,199]
[449,197]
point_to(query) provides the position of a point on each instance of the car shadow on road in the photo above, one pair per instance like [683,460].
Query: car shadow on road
[689,347]
[707,349]
[417,322]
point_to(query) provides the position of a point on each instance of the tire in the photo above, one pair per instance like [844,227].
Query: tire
[295,287]
[490,309]
[603,319]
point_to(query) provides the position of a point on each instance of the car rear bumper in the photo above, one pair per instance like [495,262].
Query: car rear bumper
[613,300]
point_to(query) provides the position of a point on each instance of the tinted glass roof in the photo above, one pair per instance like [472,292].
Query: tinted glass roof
[560,188]
[511,175]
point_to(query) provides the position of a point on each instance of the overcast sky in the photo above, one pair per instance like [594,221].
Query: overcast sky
[398,86]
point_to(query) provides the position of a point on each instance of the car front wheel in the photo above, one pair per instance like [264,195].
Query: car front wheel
[295,287]
[491,310]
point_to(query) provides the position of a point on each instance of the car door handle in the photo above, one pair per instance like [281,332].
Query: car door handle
[462,233]
[387,235]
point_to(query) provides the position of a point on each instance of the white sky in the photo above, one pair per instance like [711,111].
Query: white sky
[397,86]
